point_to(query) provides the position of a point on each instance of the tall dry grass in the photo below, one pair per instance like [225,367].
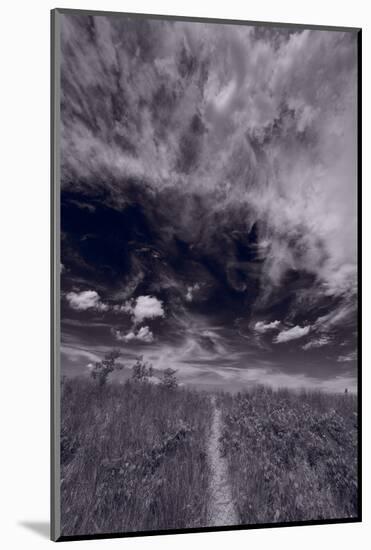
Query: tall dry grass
[133,457]
[292,457]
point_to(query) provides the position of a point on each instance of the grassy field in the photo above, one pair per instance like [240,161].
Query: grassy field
[132,457]
[136,456]
[291,456]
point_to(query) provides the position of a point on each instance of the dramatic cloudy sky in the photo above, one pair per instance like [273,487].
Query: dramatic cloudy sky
[208,200]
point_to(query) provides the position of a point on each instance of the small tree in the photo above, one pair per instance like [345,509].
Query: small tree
[168,379]
[102,369]
[142,370]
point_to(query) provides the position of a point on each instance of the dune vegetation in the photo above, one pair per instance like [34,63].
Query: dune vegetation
[133,457]
[136,456]
[292,456]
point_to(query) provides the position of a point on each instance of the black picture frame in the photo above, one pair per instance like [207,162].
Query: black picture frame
[55,272]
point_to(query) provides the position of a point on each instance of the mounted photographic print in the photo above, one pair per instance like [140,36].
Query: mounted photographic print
[205,340]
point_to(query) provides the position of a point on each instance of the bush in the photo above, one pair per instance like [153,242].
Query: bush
[102,369]
[168,379]
[142,371]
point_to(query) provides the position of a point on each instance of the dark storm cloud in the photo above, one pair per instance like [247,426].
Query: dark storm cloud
[213,168]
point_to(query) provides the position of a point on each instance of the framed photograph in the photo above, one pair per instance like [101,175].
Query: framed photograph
[205,274]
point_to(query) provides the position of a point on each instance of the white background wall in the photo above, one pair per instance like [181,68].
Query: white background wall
[24,273]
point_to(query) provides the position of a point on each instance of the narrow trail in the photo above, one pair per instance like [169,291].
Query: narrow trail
[221,508]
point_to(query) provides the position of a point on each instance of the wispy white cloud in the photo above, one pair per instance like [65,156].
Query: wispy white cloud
[262,327]
[342,314]
[347,357]
[141,308]
[144,334]
[86,299]
[79,355]
[191,291]
[317,342]
[291,334]
[78,323]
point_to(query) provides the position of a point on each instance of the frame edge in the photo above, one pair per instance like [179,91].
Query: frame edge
[54,282]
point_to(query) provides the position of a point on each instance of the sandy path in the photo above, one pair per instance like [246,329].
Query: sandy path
[221,507]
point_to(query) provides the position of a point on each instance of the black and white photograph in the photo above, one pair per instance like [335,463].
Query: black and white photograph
[208,353]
